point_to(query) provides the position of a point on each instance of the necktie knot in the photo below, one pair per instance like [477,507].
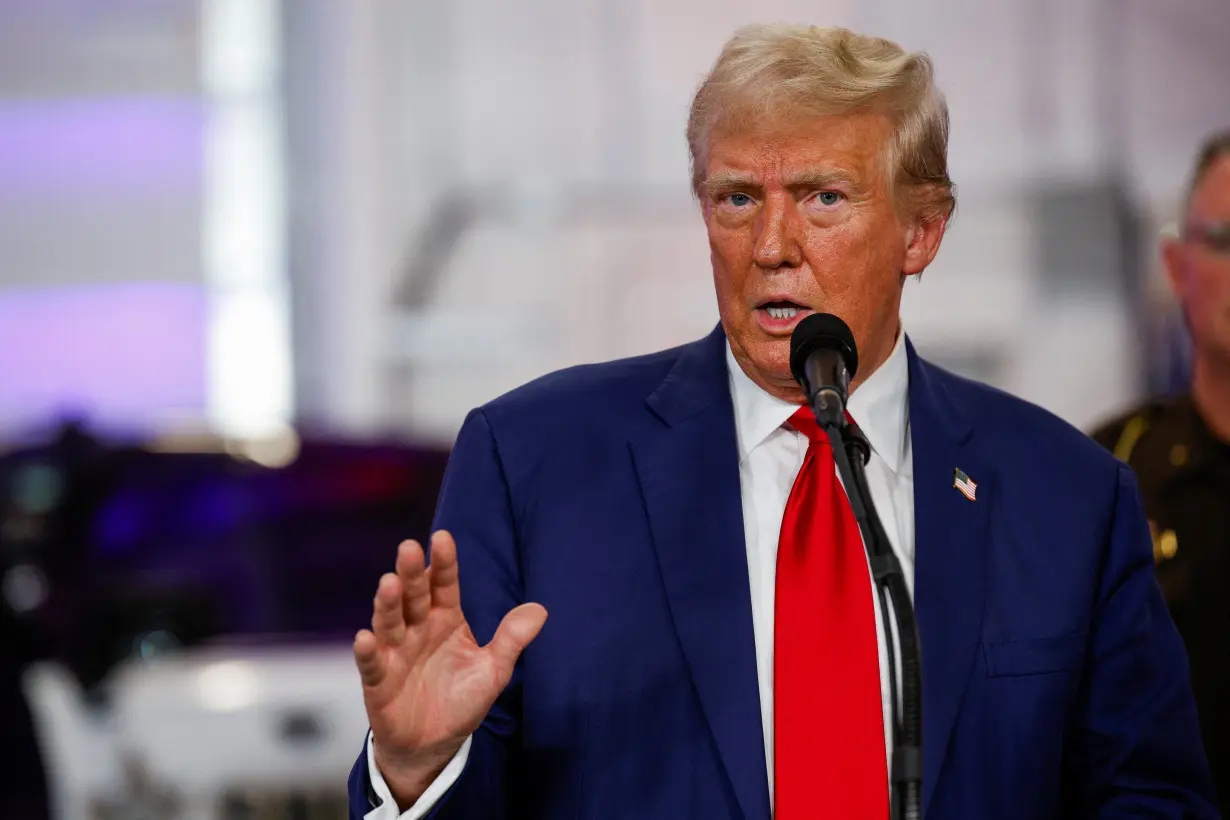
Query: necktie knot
[804,421]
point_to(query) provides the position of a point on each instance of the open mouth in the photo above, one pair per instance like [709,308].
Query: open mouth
[778,317]
[783,310]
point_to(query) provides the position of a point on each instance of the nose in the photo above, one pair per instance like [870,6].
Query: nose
[778,233]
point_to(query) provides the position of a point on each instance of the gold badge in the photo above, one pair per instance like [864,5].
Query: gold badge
[1165,544]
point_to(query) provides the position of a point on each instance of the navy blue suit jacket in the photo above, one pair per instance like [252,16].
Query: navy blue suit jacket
[1054,683]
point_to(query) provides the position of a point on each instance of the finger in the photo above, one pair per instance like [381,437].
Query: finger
[416,595]
[445,587]
[513,635]
[388,620]
[368,658]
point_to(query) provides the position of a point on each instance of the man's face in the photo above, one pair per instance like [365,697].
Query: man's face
[1199,264]
[802,219]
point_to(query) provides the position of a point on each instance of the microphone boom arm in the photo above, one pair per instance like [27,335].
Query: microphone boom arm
[851,451]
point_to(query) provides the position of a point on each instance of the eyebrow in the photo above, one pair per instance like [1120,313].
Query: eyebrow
[819,178]
[726,181]
[729,181]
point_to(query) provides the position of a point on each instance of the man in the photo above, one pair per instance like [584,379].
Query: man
[1180,449]
[713,649]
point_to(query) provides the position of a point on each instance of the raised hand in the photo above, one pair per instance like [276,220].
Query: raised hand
[427,684]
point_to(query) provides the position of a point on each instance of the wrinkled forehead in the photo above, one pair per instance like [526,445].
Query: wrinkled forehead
[856,142]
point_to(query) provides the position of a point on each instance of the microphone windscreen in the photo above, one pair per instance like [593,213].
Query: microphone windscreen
[821,331]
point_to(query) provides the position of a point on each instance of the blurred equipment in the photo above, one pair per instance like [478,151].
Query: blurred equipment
[227,733]
[184,610]
[1179,447]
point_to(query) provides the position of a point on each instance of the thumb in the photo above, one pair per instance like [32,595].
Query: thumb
[514,634]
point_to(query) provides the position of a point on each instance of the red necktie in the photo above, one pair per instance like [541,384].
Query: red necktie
[828,719]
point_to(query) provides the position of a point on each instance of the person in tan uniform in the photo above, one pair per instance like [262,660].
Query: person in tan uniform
[1179,448]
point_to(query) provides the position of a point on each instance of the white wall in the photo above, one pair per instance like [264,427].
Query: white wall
[560,126]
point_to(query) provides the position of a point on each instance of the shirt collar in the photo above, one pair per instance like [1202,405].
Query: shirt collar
[880,406]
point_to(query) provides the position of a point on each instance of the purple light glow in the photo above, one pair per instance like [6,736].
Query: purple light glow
[126,354]
[119,144]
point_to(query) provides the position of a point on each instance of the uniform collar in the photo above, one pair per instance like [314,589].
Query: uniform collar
[880,406]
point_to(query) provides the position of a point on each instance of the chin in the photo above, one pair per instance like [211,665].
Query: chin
[772,359]
[768,355]
[767,350]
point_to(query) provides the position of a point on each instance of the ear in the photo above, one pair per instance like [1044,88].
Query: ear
[922,243]
[1172,262]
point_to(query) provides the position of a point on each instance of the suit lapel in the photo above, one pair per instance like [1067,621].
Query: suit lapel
[951,538]
[688,471]
[689,476]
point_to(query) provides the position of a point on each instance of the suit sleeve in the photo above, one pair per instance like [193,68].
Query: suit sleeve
[475,506]
[1136,748]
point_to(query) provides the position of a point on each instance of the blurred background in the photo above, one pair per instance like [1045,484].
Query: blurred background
[259,257]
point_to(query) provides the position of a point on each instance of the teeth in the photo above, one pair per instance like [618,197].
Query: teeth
[783,313]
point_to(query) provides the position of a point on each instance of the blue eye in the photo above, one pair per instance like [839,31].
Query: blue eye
[828,198]
[739,200]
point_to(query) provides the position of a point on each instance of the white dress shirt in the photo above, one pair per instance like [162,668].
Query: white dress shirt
[770,457]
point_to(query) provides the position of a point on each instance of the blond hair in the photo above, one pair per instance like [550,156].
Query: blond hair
[774,73]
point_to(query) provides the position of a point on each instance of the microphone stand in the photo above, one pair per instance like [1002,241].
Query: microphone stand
[851,451]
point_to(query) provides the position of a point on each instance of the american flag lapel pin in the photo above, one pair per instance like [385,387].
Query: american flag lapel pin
[964,483]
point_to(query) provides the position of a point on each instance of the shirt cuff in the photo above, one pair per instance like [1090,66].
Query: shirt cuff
[387,810]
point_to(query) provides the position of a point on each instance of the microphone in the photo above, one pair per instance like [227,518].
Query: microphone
[823,359]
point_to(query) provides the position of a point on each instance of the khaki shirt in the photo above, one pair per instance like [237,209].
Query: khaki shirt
[1184,476]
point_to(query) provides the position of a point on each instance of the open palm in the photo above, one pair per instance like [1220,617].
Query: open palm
[427,684]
